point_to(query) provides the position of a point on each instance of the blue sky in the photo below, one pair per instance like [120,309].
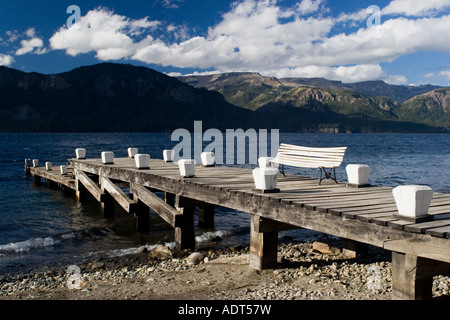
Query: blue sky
[398,41]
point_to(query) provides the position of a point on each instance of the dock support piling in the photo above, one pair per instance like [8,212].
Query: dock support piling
[27,166]
[353,249]
[185,229]
[142,214]
[206,216]
[80,190]
[263,245]
[412,276]
[107,206]
[37,180]
[169,198]
[52,184]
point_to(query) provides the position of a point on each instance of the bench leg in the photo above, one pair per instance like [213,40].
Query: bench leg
[282,170]
[327,174]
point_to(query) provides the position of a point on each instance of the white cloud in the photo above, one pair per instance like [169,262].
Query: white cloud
[13,35]
[6,60]
[385,42]
[173,4]
[108,34]
[28,46]
[33,44]
[444,74]
[347,74]
[308,6]
[354,16]
[417,8]
[266,37]
[249,36]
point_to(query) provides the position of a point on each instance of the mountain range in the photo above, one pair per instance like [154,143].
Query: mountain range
[110,97]
[370,100]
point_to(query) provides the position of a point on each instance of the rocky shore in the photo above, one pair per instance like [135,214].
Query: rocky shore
[306,271]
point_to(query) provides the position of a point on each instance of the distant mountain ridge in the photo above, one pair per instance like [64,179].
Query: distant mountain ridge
[375,100]
[375,88]
[111,97]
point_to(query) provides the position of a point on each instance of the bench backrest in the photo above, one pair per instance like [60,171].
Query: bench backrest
[307,157]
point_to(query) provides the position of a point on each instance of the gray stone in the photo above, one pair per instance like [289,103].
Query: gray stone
[194,258]
[161,253]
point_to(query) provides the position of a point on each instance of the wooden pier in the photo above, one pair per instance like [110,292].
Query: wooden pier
[360,216]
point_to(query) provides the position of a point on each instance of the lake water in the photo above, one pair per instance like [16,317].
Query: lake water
[40,226]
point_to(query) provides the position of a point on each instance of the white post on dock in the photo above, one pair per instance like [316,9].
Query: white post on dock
[80,153]
[108,157]
[208,159]
[358,175]
[265,162]
[132,152]
[168,155]
[187,167]
[413,202]
[142,161]
[35,163]
[266,179]
[63,169]
[48,166]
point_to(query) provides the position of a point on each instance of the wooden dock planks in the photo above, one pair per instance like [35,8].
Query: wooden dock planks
[55,176]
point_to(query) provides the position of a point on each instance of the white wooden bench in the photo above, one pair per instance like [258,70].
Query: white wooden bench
[326,160]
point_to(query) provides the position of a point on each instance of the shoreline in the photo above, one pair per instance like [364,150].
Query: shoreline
[305,271]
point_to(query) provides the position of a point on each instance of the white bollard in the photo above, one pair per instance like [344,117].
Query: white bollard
[358,174]
[413,202]
[35,163]
[80,153]
[63,169]
[168,155]
[142,161]
[264,162]
[132,152]
[187,167]
[266,179]
[108,157]
[208,159]
[48,166]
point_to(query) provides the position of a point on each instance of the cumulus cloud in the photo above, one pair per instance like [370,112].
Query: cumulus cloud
[109,35]
[173,4]
[29,46]
[30,42]
[444,74]
[266,37]
[308,6]
[348,74]
[6,60]
[417,8]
